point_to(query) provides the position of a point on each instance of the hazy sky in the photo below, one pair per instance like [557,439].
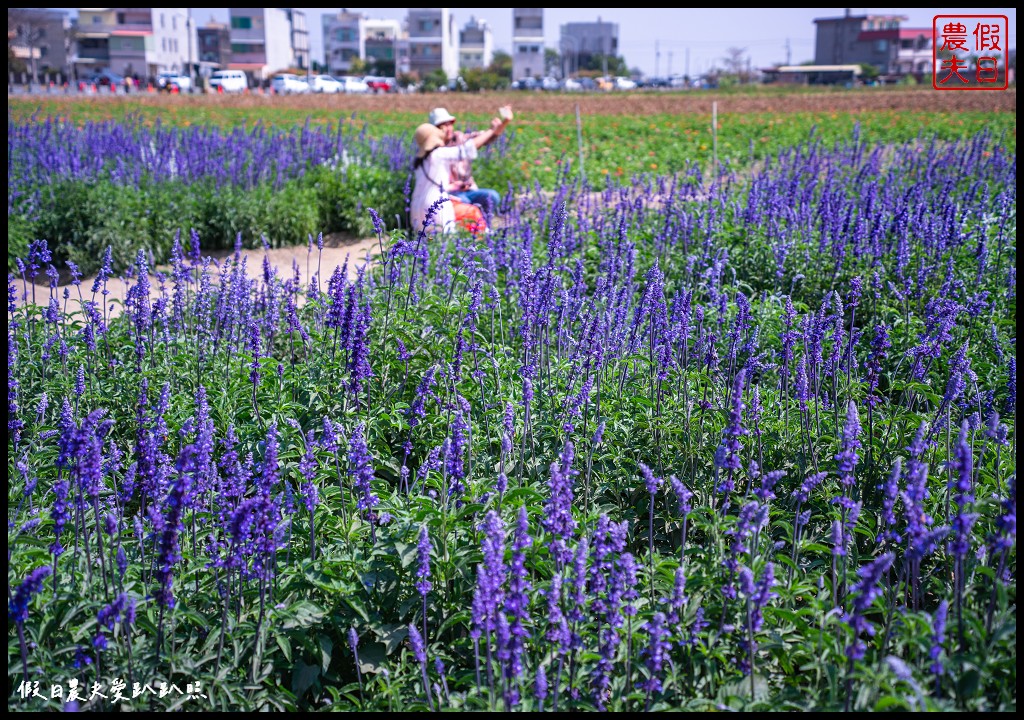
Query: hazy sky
[658,41]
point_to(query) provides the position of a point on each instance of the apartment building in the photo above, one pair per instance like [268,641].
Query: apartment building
[41,39]
[214,41]
[134,41]
[348,36]
[876,40]
[581,43]
[300,39]
[265,41]
[476,45]
[433,41]
[527,43]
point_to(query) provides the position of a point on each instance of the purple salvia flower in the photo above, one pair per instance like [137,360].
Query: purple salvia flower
[655,655]
[17,606]
[558,521]
[423,584]
[540,687]
[361,470]
[962,522]
[420,653]
[876,357]
[307,468]
[890,492]
[517,606]
[938,639]
[865,593]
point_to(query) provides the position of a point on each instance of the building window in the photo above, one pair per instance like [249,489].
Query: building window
[881,45]
[120,18]
[241,23]
[95,19]
[163,22]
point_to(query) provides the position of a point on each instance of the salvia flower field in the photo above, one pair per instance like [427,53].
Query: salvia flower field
[726,439]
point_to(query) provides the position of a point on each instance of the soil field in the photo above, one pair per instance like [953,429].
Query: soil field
[632,103]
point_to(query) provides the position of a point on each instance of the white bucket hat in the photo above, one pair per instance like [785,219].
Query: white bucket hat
[440,116]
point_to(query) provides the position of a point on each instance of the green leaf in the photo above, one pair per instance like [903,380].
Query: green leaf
[372,657]
[301,614]
[285,644]
[326,650]
[391,636]
[303,677]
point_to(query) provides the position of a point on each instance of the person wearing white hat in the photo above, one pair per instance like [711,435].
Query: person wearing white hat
[461,184]
[432,169]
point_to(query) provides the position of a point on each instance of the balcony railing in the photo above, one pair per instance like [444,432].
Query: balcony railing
[107,29]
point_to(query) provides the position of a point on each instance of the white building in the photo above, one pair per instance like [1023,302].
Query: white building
[527,42]
[135,41]
[263,41]
[433,41]
[476,45]
[349,35]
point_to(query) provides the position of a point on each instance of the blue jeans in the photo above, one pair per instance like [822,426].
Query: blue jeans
[484,197]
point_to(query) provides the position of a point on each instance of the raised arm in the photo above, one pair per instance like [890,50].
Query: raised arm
[498,126]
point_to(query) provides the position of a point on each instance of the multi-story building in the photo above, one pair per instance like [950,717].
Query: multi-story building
[41,39]
[263,41]
[527,42]
[348,36]
[300,39]
[433,41]
[342,35]
[876,40]
[214,40]
[134,41]
[476,44]
[381,41]
[582,43]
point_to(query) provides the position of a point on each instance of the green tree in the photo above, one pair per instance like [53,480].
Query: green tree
[552,62]
[501,65]
[357,66]
[433,80]
[868,72]
[595,62]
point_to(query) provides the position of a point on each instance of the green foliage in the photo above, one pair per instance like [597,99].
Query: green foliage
[435,79]
[869,72]
[19,235]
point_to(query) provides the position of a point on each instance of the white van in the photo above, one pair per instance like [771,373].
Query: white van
[230,80]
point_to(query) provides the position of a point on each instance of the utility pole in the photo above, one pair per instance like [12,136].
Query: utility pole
[687,73]
[604,48]
[189,27]
[788,53]
[668,70]
[657,59]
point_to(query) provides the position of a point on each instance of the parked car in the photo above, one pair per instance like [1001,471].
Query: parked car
[325,84]
[549,83]
[527,83]
[571,85]
[169,80]
[229,81]
[106,77]
[288,84]
[379,84]
[588,83]
[623,83]
[353,84]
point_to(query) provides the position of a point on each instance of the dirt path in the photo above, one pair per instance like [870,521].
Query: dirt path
[337,249]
